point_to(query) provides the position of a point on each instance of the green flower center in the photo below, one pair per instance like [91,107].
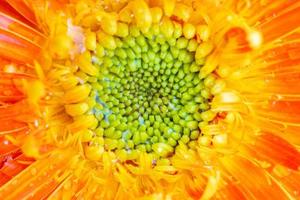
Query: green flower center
[149,96]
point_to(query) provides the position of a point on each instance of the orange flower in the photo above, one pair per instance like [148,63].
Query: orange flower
[149,99]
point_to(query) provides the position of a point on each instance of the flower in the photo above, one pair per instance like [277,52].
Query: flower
[149,99]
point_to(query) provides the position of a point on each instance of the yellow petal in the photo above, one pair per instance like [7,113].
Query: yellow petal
[76,109]
[77,94]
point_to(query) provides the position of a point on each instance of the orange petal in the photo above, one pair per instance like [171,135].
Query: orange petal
[6,146]
[232,191]
[274,149]
[13,167]
[251,179]
[23,9]
[282,24]
[9,10]
[22,30]
[39,179]
[3,178]
[17,49]
[289,183]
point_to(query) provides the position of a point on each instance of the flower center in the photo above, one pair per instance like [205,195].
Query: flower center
[149,96]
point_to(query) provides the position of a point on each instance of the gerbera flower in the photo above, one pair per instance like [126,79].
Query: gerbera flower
[149,99]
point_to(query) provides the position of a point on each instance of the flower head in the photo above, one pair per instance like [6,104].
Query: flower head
[149,99]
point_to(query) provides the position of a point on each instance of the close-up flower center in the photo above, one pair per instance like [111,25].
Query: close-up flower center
[146,89]
[148,93]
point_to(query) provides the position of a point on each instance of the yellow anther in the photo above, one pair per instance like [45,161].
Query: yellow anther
[91,102]
[167,27]
[169,6]
[100,52]
[109,24]
[156,14]
[85,64]
[123,30]
[57,72]
[83,122]
[77,94]
[189,30]
[203,32]
[106,40]
[82,77]
[96,85]
[76,109]
[183,11]
[90,41]
[80,17]
[69,82]
[218,87]
[125,15]
[209,66]
[86,135]
[162,149]
[88,20]
[204,49]
[97,140]
[208,115]
[94,152]
[122,154]
[142,14]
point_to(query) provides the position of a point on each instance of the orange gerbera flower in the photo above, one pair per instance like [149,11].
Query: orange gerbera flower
[149,99]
